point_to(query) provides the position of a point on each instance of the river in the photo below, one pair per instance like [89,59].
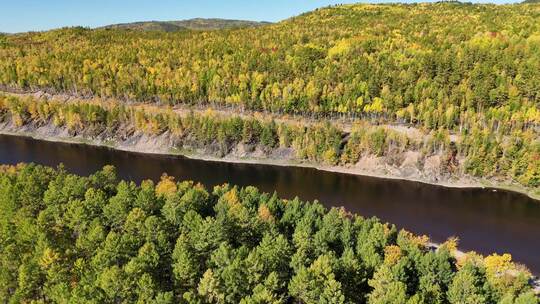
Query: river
[485,220]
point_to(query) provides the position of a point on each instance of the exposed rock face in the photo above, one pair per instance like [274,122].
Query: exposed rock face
[410,164]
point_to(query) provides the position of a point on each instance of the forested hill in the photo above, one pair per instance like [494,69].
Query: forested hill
[434,64]
[468,71]
[191,24]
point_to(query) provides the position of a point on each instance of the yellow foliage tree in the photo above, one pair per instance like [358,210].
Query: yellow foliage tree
[166,186]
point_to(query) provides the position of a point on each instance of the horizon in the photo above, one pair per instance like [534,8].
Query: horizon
[38,16]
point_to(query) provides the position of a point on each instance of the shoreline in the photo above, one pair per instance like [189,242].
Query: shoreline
[428,172]
[461,183]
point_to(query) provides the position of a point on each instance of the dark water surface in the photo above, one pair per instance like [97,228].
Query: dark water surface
[485,221]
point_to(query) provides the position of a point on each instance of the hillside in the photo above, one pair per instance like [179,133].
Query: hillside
[395,61]
[191,24]
[464,73]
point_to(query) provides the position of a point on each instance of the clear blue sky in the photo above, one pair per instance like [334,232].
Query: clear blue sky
[35,15]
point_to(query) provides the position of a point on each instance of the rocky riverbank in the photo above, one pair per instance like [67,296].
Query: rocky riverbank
[413,166]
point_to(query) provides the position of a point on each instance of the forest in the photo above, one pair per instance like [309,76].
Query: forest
[466,74]
[71,239]
[331,86]
[414,63]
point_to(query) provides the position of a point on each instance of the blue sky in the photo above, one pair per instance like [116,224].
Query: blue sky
[35,15]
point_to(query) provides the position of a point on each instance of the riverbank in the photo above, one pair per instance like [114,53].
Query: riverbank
[164,145]
[364,196]
[358,148]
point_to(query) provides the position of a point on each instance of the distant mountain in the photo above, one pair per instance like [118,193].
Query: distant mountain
[191,24]
[531,2]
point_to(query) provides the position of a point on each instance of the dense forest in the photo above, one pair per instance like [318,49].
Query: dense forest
[466,74]
[445,65]
[329,87]
[71,239]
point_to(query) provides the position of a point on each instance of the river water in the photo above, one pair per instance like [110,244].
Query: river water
[485,220]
